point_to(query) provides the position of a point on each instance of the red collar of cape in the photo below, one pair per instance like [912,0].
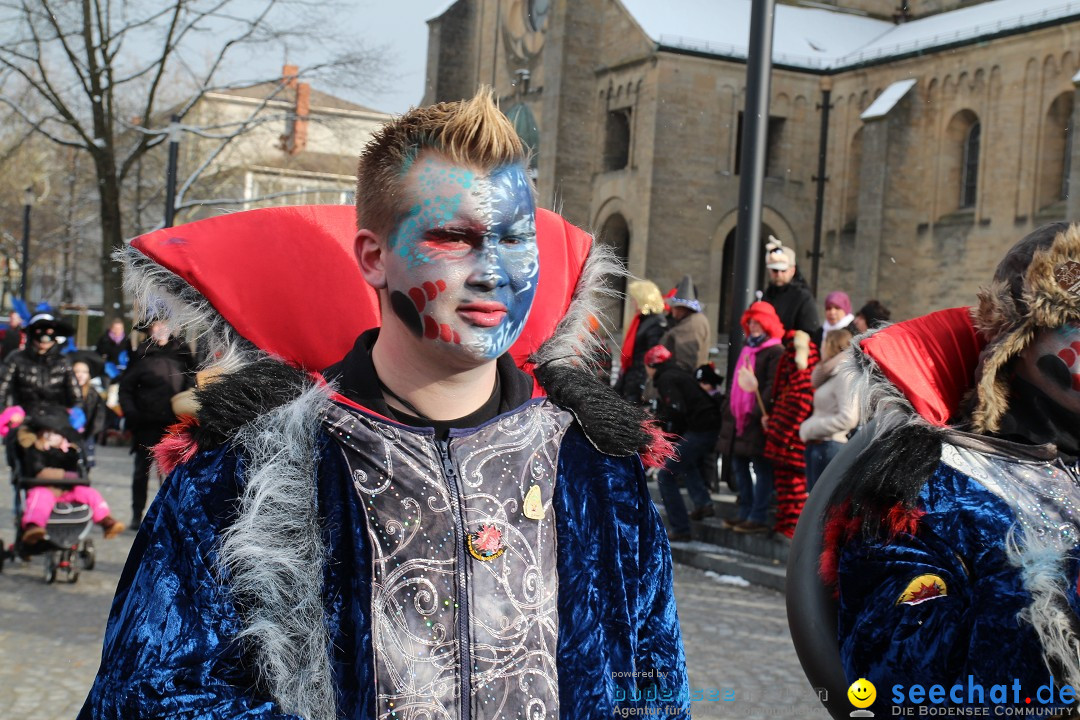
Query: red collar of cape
[286,278]
[931,359]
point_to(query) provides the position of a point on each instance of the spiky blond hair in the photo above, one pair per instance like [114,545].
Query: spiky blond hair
[468,132]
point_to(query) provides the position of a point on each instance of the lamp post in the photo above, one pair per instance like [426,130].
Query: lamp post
[755,138]
[170,172]
[28,202]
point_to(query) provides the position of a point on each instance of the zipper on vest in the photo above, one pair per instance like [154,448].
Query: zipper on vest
[450,474]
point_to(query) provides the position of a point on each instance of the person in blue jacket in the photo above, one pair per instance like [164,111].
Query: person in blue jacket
[422,529]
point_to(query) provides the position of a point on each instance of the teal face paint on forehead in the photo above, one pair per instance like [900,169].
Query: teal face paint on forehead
[473,237]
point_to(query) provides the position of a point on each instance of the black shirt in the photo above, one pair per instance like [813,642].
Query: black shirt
[358,381]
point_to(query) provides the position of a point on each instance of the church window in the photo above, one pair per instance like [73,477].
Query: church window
[773,155]
[617,139]
[970,167]
[1055,151]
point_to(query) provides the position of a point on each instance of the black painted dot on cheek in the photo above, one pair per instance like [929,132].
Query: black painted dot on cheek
[406,310]
[1054,368]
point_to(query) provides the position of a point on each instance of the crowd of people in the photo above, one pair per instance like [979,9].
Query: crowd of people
[56,410]
[787,413]
[335,540]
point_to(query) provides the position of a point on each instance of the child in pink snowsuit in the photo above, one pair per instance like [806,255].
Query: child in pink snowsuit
[49,455]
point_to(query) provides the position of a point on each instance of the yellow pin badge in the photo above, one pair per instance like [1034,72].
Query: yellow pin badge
[534,504]
[923,588]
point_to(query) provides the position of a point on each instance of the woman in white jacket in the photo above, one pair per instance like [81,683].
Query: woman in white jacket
[836,411]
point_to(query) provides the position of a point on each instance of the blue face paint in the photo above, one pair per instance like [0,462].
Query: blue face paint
[463,263]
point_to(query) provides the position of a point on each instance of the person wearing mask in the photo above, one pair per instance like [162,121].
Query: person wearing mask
[788,291]
[746,409]
[162,367]
[382,514]
[954,535]
[39,374]
[685,410]
[836,407]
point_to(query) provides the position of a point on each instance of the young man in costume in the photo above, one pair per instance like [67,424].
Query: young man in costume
[954,542]
[429,534]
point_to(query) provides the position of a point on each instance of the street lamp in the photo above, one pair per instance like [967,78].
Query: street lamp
[28,202]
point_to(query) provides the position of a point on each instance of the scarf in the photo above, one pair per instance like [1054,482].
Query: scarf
[626,356]
[844,322]
[742,402]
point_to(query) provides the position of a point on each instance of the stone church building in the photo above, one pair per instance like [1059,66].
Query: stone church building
[948,134]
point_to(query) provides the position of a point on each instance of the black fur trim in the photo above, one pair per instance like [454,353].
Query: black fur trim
[612,425]
[890,472]
[234,399]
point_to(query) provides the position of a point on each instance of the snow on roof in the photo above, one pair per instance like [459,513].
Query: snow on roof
[887,100]
[822,39]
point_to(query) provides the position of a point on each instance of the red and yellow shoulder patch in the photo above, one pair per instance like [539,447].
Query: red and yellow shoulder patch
[921,589]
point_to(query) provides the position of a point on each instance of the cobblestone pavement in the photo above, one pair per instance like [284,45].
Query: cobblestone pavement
[736,638]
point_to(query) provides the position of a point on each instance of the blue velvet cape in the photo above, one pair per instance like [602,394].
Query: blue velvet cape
[170,647]
[974,634]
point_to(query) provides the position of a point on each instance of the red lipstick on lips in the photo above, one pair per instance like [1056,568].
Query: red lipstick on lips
[482,314]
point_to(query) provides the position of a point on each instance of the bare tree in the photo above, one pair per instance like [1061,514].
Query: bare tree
[107,74]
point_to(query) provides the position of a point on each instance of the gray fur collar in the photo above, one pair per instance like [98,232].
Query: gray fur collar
[274,557]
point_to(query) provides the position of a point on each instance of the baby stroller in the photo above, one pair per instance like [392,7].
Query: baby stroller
[66,545]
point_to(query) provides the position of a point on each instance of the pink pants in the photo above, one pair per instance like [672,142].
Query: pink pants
[40,502]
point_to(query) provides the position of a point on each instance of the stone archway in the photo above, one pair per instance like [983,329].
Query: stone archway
[615,233]
[722,258]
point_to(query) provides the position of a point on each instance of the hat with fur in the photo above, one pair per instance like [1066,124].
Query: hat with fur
[1036,285]
[778,256]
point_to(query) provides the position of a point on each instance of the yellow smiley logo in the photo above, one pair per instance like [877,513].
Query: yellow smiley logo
[862,693]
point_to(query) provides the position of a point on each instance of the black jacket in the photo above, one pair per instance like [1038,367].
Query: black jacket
[631,383]
[683,405]
[30,379]
[156,373]
[110,350]
[794,305]
[11,342]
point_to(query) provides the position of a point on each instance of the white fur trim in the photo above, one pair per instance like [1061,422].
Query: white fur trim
[274,557]
[573,341]
[159,294]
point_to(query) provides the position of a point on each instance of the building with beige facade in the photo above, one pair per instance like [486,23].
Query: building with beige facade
[275,143]
[948,135]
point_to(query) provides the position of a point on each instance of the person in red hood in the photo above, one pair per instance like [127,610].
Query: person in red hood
[746,409]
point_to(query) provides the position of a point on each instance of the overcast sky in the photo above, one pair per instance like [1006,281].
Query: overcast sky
[402,26]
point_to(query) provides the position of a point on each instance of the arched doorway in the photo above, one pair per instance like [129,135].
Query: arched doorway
[615,233]
[727,280]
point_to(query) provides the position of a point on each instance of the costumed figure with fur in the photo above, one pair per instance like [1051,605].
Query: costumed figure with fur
[363,542]
[793,402]
[955,534]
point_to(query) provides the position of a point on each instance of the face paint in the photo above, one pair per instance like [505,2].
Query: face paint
[1052,364]
[462,265]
